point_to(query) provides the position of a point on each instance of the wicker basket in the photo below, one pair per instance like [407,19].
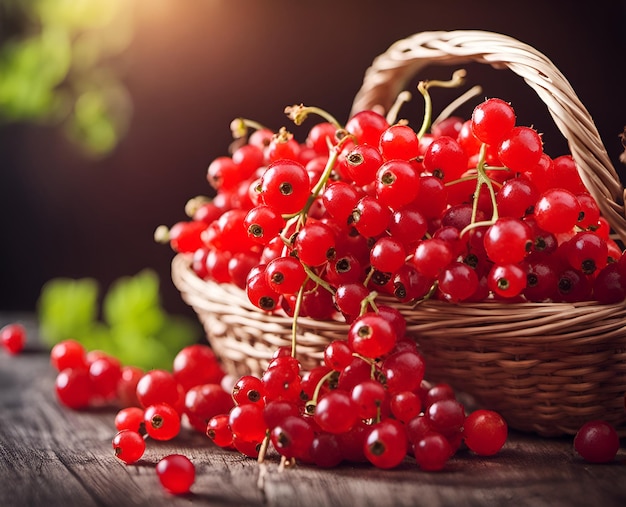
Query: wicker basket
[547,368]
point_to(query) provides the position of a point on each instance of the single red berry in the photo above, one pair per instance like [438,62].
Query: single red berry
[219,432]
[445,159]
[367,127]
[129,418]
[176,473]
[73,388]
[387,444]
[195,365]
[399,142]
[371,335]
[13,338]
[597,442]
[557,210]
[485,432]
[335,412]
[521,149]
[432,452]
[129,446]
[293,437]
[161,421]
[285,186]
[492,120]
[508,240]
[68,354]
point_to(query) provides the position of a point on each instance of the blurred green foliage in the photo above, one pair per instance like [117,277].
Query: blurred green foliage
[132,325]
[61,63]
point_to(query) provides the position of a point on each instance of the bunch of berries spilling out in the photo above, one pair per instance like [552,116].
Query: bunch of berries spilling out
[354,409]
[154,404]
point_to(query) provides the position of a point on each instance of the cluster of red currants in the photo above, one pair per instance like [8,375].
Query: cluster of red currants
[354,409]
[153,403]
[474,210]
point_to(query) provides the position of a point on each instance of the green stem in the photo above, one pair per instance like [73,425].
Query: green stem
[458,78]
[317,279]
[316,394]
[394,111]
[299,113]
[369,300]
[239,127]
[294,321]
[482,179]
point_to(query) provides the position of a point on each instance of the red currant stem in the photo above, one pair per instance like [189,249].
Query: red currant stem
[162,234]
[368,277]
[458,102]
[423,86]
[192,205]
[316,393]
[369,301]
[428,295]
[461,180]
[330,165]
[239,127]
[317,279]
[299,113]
[286,463]
[263,449]
[294,322]
[394,110]
[482,179]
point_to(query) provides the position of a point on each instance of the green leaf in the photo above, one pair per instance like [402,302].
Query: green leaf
[133,303]
[67,308]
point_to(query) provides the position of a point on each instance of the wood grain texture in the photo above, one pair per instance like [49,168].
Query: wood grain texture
[50,456]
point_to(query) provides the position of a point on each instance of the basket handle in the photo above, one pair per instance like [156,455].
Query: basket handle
[390,72]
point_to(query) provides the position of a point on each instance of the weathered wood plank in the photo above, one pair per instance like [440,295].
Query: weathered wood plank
[57,457]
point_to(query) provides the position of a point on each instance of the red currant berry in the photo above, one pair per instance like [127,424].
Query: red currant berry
[129,418]
[485,432]
[195,365]
[367,127]
[73,388]
[396,183]
[219,432]
[335,412]
[521,149]
[597,442]
[508,240]
[387,444]
[445,159]
[176,473]
[293,437]
[285,186]
[161,421]
[492,120]
[399,142]
[557,210]
[371,335]
[432,452]
[68,354]
[129,446]
[13,338]
[506,280]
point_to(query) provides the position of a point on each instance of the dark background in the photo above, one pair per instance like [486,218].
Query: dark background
[193,66]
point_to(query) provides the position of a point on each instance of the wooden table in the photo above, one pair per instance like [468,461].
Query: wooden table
[51,456]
